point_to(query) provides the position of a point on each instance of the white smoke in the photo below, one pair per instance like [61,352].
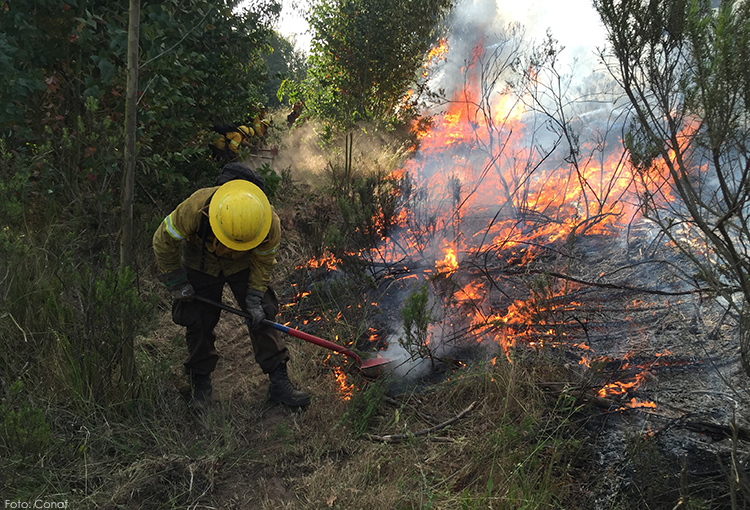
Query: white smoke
[575,24]
[487,28]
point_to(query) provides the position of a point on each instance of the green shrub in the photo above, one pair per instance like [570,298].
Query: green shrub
[24,430]
[363,406]
[107,312]
[271,178]
[417,317]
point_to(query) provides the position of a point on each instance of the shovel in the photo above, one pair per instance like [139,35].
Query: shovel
[370,363]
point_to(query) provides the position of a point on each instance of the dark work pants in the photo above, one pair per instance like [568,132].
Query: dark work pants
[222,156]
[200,319]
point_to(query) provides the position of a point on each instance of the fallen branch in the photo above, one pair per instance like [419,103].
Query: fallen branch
[427,418]
[397,438]
[143,188]
[717,431]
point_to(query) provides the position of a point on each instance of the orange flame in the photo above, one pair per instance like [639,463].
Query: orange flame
[437,52]
[345,388]
[635,403]
[326,261]
[449,264]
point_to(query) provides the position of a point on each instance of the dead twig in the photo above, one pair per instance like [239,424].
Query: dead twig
[614,286]
[425,417]
[397,438]
[450,477]
[143,188]
[717,431]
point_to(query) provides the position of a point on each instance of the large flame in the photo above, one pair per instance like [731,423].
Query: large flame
[485,183]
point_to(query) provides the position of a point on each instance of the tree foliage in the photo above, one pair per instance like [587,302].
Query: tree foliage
[57,55]
[367,54]
[62,104]
[284,62]
[683,66]
[62,96]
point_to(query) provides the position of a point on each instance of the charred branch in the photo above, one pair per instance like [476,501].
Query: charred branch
[615,286]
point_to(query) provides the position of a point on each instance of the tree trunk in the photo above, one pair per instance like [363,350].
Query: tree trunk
[131,105]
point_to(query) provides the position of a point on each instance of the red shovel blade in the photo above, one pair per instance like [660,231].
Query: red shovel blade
[370,363]
[375,362]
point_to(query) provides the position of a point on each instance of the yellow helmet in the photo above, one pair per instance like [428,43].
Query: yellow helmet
[240,215]
[247,131]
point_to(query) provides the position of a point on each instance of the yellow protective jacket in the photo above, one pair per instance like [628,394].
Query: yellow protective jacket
[260,126]
[178,242]
[233,138]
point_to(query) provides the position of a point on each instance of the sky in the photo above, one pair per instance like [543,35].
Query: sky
[293,26]
[574,23]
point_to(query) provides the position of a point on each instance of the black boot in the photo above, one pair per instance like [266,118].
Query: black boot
[283,391]
[202,391]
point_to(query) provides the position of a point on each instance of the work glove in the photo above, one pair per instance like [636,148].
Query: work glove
[178,285]
[253,303]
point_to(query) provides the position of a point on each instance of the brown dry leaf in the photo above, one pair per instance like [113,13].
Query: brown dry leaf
[331,500]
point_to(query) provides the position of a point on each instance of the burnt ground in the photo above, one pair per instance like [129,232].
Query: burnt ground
[673,422]
[682,355]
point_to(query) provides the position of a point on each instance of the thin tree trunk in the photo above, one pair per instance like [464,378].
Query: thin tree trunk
[131,104]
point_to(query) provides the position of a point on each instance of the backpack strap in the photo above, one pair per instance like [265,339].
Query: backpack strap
[204,229]
[227,141]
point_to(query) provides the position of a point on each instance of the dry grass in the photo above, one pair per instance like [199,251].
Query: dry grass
[312,460]
[510,451]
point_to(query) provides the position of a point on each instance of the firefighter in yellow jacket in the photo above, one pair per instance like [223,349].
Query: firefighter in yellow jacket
[261,126]
[226,234]
[226,146]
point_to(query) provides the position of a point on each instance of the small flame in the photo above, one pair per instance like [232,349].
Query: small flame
[637,404]
[449,264]
[326,261]
[472,291]
[344,388]
[436,53]
[374,337]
